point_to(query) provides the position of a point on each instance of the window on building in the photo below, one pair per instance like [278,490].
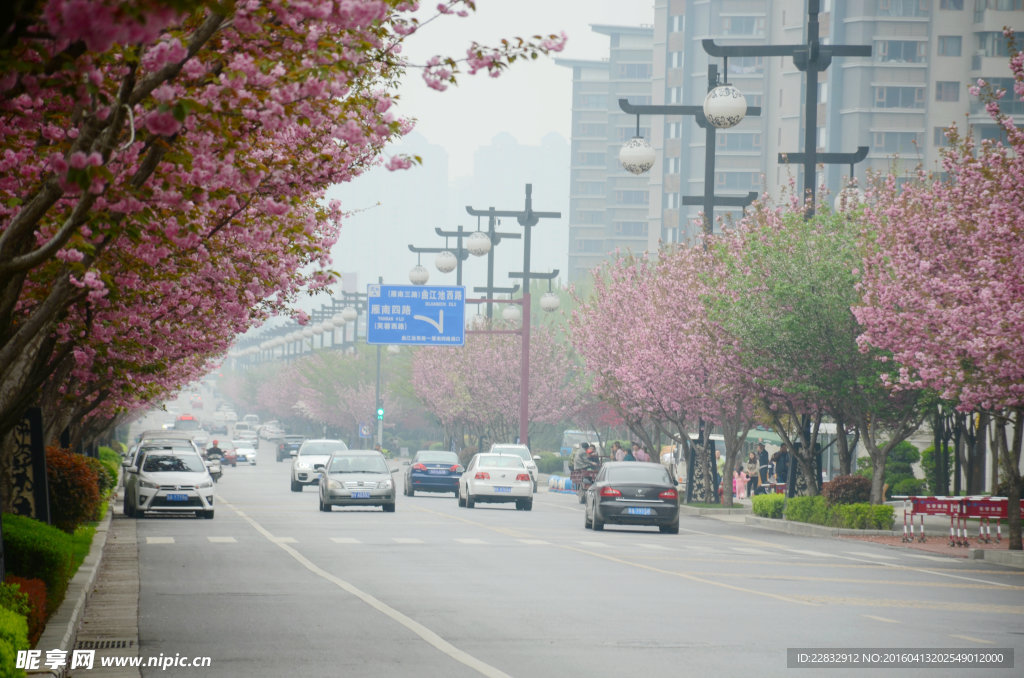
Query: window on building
[589,245]
[899,97]
[588,187]
[671,201]
[992,44]
[675,130]
[992,132]
[746,65]
[632,197]
[951,4]
[947,90]
[939,137]
[672,165]
[627,133]
[1011,104]
[677,23]
[631,228]
[585,159]
[742,25]
[675,95]
[738,141]
[675,59]
[895,142]
[903,7]
[745,181]
[589,217]
[590,129]
[950,45]
[594,101]
[633,71]
[900,51]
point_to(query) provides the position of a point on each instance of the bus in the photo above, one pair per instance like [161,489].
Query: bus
[571,440]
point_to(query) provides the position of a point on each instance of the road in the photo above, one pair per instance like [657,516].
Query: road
[273,587]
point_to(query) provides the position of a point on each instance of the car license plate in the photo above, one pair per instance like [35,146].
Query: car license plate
[360,494]
[503,489]
[437,471]
[639,511]
[177,497]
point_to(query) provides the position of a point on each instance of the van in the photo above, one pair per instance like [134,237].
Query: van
[252,420]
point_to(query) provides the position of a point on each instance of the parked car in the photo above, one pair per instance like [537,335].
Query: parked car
[523,452]
[244,431]
[169,478]
[496,478]
[311,455]
[244,452]
[289,446]
[357,478]
[433,471]
[633,493]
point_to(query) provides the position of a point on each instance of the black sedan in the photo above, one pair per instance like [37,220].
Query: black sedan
[433,471]
[289,446]
[633,493]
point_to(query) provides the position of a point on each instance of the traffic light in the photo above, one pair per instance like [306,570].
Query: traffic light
[380,413]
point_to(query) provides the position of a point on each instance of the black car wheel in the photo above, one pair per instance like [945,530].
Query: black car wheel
[672,528]
[326,508]
[469,501]
[597,523]
[296,487]
[389,508]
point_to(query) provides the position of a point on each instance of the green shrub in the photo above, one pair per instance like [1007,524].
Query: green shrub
[105,480]
[909,486]
[852,489]
[35,549]
[13,637]
[13,598]
[550,463]
[768,505]
[34,592]
[898,466]
[806,510]
[74,488]
[931,472]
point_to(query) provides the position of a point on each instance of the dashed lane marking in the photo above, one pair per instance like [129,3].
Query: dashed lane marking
[881,619]
[593,544]
[972,639]
[535,542]
[871,555]
[222,540]
[465,540]
[159,540]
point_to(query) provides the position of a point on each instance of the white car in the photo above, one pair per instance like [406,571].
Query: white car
[496,478]
[244,452]
[168,478]
[311,455]
[244,431]
[523,452]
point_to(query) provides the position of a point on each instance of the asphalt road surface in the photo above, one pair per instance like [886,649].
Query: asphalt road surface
[273,587]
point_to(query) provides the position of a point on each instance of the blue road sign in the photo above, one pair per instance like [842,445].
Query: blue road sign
[416,314]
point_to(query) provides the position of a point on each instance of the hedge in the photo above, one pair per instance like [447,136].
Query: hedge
[35,549]
[816,511]
[34,591]
[13,637]
[768,505]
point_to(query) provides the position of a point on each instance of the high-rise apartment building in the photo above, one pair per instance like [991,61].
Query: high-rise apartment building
[608,207]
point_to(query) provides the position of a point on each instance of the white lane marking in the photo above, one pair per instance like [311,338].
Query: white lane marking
[936,559]
[285,540]
[898,566]
[747,549]
[343,540]
[593,544]
[871,555]
[815,554]
[973,639]
[222,540]
[420,630]
[881,619]
[407,540]
[535,542]
[471,541]
[159,540]
[657,547]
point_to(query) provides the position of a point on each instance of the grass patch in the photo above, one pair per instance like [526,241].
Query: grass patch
[82,538]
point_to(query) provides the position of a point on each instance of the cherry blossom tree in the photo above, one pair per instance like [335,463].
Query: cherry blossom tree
[163,169]
[943,280]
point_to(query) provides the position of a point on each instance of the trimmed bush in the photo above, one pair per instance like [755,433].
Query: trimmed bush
[105,479]
[13,637]
[909,486]
[13,598]
[863,516]
[550,463]
[35,549]
[74,488]
[34,591]
[852,489]
[806,510]
[768,505]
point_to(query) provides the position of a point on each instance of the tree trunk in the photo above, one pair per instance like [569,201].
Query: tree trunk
[843,444]
[1010,458]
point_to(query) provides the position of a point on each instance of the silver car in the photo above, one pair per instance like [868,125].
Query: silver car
[523,452]
[312,455]
[357,478]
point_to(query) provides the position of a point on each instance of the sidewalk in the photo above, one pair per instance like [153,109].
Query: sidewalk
[101,609]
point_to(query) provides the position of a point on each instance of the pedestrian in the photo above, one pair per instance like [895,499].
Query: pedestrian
[750,468]
[739,482]
[762,464]
[782,464]
[617,452]
[639,454]
[628,456]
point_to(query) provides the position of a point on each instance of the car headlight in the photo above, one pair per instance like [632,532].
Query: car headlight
[384,484]
[205,484]
[146,483]
[334,484]
[302,464]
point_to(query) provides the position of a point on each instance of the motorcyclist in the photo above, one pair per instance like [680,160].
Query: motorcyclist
[214,451]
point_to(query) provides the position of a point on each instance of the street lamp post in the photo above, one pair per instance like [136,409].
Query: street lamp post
[812,58]
[448,259]
[527,218]
[493,239]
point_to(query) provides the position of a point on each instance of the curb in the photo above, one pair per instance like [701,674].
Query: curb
[695,511]
[62,628]
[808,530]
[1007,558]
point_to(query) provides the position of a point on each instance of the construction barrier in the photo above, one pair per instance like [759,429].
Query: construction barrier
[561,484]
[959,509]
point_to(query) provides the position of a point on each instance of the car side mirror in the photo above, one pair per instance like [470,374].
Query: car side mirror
[394,470]
[131,469]
[318,467]
[536,457]
[406,462]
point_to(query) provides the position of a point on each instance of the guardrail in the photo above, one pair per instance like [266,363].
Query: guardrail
[959,509]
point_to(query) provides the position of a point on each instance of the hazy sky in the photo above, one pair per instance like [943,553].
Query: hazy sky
[528,100]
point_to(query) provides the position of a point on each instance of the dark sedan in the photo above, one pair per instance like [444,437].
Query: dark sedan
[433,471]
[633,493]
[289,446]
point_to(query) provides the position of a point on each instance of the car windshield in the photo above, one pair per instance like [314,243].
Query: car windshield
[243,443]
[187,424]
[294,439]
[638,474]
[521,452]
[437,457]
[322,447]
[363,463]
[500,461]
[167,448]
[173,463]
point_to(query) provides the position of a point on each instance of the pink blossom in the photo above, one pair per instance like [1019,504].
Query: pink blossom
[162,123]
